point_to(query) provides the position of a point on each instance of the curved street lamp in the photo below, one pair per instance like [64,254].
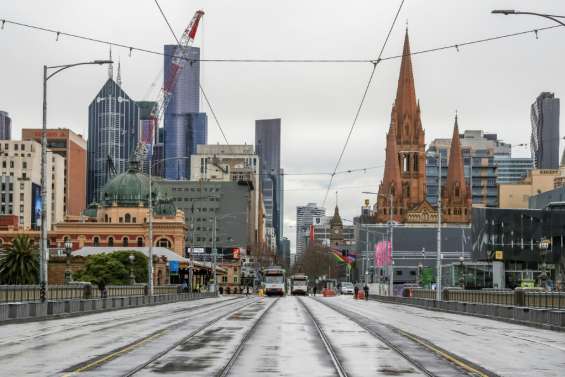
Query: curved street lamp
[551,17]
[43,247]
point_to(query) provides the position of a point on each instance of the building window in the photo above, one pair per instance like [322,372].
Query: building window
[125,241]
[134,220]
[139,241]
[128,218]
[163,242]
[121,219]
[12,163]
[96,241]
[110,241]
[106,218]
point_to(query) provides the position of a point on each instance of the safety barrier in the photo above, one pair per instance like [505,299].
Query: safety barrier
[26,293]
[518,297]
[530,308]
[33,310]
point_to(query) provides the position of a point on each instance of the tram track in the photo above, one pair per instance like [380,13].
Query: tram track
[231,362]
[464,367]
[98,361]
[325,341]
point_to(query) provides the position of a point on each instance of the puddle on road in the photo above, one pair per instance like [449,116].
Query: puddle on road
[390,371]
[203,351]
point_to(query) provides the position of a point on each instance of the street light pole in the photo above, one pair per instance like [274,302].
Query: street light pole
[150,250]
[391,278]
[438,255]
[507,12]
[43,243]
[214,256]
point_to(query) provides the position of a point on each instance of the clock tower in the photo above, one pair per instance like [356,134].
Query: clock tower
[336,229]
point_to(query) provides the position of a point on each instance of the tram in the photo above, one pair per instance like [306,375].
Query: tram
[274,279]
[299,284]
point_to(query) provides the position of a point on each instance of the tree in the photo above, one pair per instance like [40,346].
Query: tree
[19,263]
[113,269]
[317,261]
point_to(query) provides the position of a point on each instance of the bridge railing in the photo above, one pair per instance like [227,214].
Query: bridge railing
[22,293]
[518,297]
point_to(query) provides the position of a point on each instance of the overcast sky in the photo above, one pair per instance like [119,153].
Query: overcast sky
[491,85]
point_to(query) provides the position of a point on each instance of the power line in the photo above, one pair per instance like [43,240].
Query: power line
[131,48]
[362,102]
[190,62]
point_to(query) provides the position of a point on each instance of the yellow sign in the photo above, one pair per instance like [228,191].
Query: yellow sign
[498,255]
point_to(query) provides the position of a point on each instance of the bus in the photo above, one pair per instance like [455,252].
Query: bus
[274,280]
[299,284]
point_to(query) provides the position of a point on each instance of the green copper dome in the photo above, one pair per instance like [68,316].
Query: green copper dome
[131,189]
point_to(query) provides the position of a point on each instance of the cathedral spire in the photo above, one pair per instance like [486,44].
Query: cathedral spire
[406,91]
[456,195]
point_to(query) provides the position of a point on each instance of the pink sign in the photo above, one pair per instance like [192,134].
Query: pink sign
[382,254]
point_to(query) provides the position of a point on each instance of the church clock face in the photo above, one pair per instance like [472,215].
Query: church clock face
[336,231]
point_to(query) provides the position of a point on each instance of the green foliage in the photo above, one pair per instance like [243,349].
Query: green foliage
[113,269]
[19,263]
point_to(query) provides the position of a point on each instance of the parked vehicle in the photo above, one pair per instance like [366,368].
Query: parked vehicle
[346,288]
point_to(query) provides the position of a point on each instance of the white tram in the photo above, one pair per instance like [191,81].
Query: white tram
[274,279]
[299,284]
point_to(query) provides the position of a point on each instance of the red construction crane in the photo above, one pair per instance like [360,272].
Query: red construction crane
[177,64]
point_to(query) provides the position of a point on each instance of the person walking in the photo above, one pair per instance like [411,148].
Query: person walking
[356,291]
[366,290]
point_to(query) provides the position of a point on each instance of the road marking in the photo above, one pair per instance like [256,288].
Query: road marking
[445,355]
[115,354]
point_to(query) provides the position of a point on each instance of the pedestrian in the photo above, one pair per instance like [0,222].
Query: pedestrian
[247,290]
[221,289]
[366,289]
[184,286]
[315,289]
[356,290]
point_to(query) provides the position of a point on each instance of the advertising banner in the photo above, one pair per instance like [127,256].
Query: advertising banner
[35,206]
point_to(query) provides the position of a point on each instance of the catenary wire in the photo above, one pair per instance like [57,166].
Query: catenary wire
[199,85]
[131,48]
[362,102]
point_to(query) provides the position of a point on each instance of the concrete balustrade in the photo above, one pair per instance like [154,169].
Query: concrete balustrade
[27,311]
[553,319]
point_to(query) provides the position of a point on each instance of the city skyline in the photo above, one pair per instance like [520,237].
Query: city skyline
[480,103]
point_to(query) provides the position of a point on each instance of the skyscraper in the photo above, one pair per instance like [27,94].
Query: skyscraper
[544,142]
[5,126]
[190,130]
[113,134]
[184,126]
[305,216]
[268,148]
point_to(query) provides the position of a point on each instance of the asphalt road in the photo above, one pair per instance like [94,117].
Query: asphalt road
[290,336]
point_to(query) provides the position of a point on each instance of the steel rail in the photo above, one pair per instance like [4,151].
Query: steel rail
[464,365]
[102,359]
[184,339]
[381,338]
[327,344]
[231,362]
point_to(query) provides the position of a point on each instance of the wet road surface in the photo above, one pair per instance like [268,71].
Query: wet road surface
[290,336]
[504,349]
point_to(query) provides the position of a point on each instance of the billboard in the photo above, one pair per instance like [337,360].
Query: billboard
[35,206]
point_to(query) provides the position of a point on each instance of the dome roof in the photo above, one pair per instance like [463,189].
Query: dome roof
[131,189]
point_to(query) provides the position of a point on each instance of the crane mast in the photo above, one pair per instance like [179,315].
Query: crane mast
[177,64]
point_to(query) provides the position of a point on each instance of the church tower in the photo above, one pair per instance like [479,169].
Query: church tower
[336,229]
[456,196]
[405,166]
